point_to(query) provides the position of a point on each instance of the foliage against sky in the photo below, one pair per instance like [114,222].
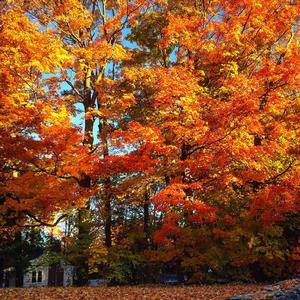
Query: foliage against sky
[198,97]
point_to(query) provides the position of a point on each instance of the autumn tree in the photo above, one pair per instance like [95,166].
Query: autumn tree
[230,78]
[91,33]
[36,182]
[187,151]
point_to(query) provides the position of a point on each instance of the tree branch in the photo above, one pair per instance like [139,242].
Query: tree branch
[74,89]
[208,144]
[40,222]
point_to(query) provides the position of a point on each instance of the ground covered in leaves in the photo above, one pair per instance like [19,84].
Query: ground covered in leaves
[206,292]
[284,290]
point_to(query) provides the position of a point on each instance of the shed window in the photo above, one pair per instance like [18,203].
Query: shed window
[33,277]
[39,279]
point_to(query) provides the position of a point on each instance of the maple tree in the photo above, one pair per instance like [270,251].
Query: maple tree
[187,151]
[223,77]
[39,177]
[34,124]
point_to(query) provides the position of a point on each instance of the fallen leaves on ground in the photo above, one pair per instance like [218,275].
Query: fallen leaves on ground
[206,292]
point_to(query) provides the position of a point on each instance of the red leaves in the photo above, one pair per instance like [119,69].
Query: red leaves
[169,229]
[229,219]
[273,202]
[133,162]
[252,176]
[173,195]
[219,233]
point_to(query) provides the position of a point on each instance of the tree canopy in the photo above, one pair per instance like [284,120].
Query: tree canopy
[164,132]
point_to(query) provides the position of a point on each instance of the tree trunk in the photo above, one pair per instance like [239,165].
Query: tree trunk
[83,244]
[257,140]
[19,264]
[1,272]
[146,219]
[107,212]
[179,271]
[185,179]
[103,130]
[84,237]
[84,217]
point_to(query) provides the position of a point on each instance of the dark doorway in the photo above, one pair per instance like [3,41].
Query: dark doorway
[56,276]
[6,279]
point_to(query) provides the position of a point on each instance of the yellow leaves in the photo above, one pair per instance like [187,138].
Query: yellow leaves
[139,76]
[98,255]
[56,231]
[72,15]
[177,85]
[231,69]
[20,98]
[40,65]
[119,53]
[56,117]
[257,3]
[127,100]
[113,98]
[99,53]
[32,48]
[253,242]
[119,103]
[181,29]
[59,57]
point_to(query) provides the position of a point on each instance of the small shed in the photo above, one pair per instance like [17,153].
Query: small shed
[39,274]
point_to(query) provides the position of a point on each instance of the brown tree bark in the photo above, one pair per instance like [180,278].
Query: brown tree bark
[103,130]
[146,219]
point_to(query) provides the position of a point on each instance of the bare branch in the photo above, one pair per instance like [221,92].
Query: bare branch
[40,222]
[73,88]
[208,144]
